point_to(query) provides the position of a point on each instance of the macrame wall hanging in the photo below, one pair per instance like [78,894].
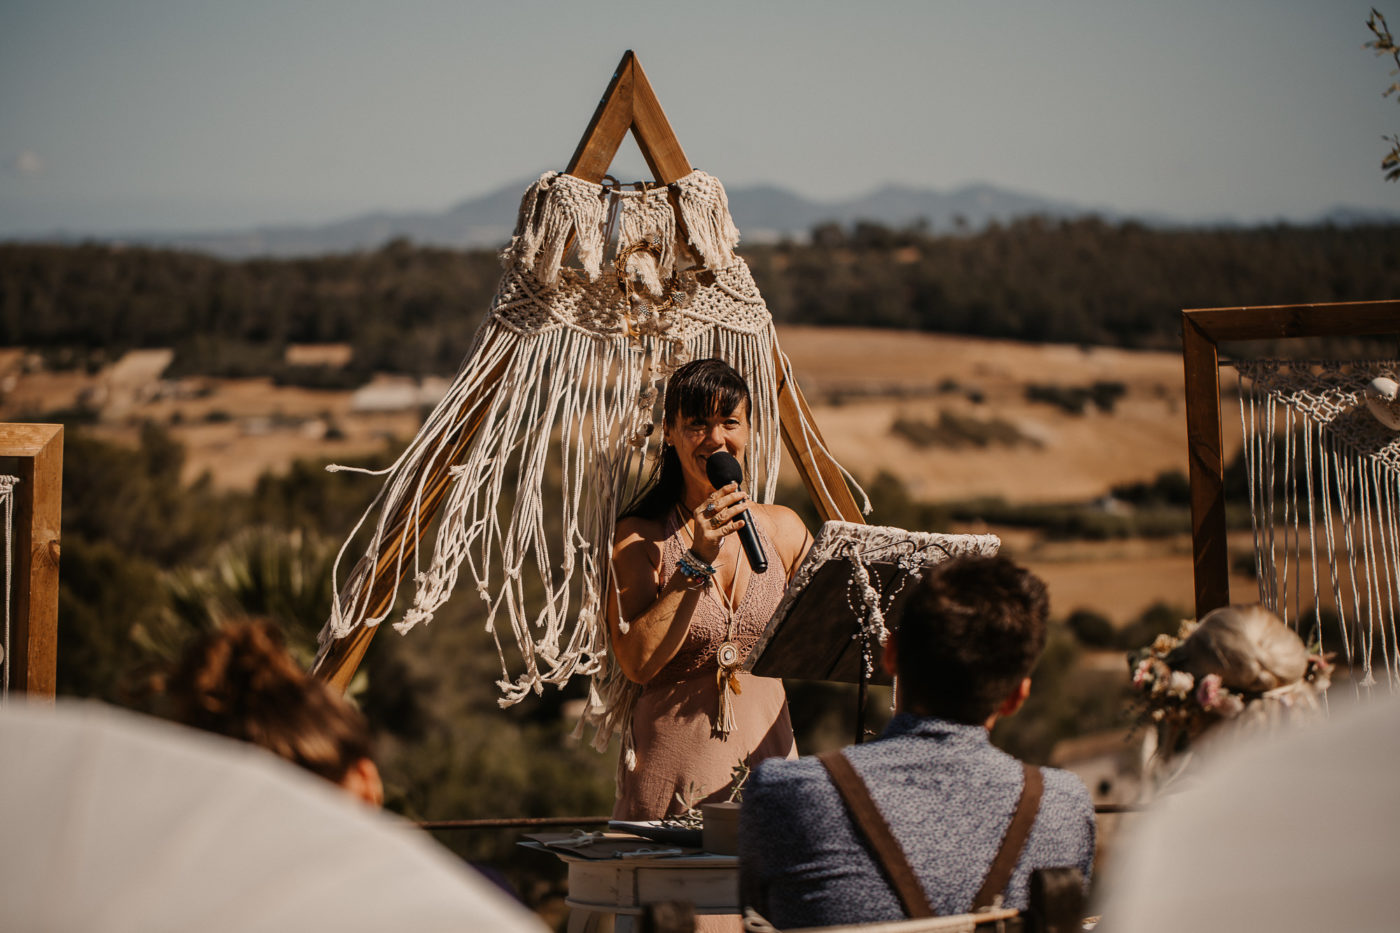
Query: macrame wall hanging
[1322,457]
[579,358]
[554,416]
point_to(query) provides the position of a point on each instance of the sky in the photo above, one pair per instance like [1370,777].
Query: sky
[162,116]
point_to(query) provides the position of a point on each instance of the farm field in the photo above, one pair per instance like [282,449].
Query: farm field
[871,391]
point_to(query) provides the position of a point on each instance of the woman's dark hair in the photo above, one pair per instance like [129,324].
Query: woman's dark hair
[698,389]
[240,682]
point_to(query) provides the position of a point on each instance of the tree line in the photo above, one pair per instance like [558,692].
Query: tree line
[413,309]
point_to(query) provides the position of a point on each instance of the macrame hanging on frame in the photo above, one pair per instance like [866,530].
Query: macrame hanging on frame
[578,360]
[1322,458]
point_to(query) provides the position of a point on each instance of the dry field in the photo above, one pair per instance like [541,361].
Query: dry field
[859,382]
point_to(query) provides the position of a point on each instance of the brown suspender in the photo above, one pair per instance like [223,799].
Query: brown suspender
[999,875]
[872,826]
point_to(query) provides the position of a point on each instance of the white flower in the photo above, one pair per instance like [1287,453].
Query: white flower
[1180,684]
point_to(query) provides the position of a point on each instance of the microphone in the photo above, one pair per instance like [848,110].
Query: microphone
[723,469]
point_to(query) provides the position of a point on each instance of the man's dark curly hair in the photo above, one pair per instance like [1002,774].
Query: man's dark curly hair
[967,635]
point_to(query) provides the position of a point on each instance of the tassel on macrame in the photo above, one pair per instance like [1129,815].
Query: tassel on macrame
[729,688]
[555,210]
[705,212]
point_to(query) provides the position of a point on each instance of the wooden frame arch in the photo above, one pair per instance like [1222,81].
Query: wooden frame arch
[628,104]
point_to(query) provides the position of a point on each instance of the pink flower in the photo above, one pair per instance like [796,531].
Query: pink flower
[1208,693]
[1143,674]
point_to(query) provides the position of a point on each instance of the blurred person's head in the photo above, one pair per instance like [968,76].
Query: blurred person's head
[240,682]
[967,638]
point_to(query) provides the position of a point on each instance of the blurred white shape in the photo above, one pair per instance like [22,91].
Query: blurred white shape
[27,162]
[118,822]
[1296,831]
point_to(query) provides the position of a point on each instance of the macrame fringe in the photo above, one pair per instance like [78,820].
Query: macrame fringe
[1324,499]
[705,213]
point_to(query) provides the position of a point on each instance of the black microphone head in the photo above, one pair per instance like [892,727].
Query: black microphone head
[722,469]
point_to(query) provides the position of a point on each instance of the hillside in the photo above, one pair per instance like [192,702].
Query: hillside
[878,396]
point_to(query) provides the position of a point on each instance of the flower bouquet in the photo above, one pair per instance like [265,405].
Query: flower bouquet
[1239,664]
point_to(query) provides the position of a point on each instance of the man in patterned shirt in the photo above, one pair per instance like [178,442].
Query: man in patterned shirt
[952,805]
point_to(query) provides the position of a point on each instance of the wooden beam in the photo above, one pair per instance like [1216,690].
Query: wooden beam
[1341,319]
[1209,552]
[629,103]
[653,131]
[825,482]
[33,647]
[609,125]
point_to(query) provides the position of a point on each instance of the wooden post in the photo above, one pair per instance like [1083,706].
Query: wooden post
[1209,552]
[33,645]
[1056,903]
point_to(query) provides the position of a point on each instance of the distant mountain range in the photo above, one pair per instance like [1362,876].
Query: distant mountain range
[762,213]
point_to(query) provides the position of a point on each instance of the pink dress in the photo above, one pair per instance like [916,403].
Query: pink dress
[674,715]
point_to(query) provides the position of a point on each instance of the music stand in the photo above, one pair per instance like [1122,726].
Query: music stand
[829,624]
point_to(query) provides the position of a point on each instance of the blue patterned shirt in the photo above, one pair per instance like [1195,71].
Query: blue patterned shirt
[948,795]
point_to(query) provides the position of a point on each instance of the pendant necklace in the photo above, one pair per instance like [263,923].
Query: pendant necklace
[727,654]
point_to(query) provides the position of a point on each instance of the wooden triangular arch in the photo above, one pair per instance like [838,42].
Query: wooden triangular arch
[628,104]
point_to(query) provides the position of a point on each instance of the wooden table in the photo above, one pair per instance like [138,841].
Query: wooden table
[618,889]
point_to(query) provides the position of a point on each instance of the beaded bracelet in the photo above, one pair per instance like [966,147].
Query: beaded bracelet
[694,569]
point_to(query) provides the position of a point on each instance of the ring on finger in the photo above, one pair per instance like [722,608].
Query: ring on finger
[709,509]
[716,522]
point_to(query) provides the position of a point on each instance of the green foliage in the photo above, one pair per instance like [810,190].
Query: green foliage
[1074,281]
[1066,700]
[281,574]
[1075,399]
[113,627]
[1092,629]
[1171,487]
[136,499]
[414,309]
[149,562]
[1384,45]
[1157,619]
[1074,520]
[894,506]
[955,431]
[402,307]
